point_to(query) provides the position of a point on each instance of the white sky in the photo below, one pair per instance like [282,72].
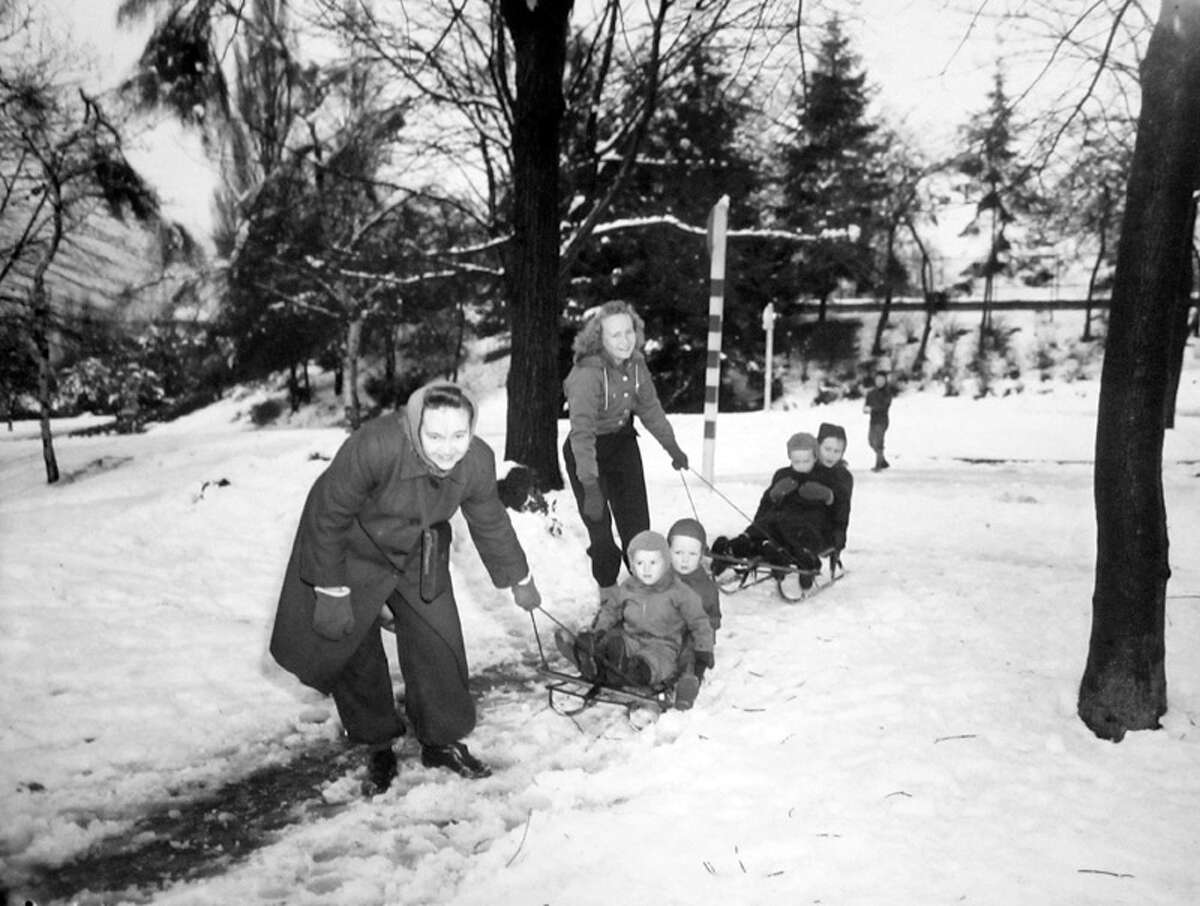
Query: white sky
[929,79]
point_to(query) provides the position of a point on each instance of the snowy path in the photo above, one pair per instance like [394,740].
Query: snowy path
[907,737]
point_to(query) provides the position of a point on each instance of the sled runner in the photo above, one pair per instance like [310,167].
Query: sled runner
[793,583]
[643,705]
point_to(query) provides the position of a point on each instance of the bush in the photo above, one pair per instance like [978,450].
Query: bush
[266,412]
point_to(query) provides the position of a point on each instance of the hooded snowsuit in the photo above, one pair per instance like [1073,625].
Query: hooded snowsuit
[654,621]
[362,527]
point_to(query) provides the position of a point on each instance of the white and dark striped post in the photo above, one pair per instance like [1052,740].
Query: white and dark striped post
[718,221]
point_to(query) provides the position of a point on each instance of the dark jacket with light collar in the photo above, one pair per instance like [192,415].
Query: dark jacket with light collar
[361,527]
[602,398]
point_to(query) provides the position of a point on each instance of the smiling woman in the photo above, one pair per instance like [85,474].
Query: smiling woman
[375,533]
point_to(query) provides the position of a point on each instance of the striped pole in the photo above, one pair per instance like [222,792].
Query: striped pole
[718,219]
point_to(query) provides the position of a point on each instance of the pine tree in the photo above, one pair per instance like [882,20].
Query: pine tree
[692,155]
[1001,181]
[833,178]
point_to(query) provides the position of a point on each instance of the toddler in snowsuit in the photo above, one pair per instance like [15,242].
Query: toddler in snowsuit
[793,523]
[688,543]
[638,635]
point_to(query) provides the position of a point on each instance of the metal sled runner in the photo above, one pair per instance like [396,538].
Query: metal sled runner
[793,583]
[588,693]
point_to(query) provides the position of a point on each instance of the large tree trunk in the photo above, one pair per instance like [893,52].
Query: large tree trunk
[1177,345]
[1124,683]
[539,33]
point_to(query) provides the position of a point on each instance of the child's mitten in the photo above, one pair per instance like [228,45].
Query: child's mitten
[782,488]
[814,490]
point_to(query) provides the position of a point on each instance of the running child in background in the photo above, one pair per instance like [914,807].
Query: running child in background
[688,543]
[831,470]
[638,636]
[793,523]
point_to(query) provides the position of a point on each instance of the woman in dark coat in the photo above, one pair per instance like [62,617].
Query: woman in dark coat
[375,532]
[608,385]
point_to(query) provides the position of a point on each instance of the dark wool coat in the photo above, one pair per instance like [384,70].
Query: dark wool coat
[839,479]
[361,527]
[794,520]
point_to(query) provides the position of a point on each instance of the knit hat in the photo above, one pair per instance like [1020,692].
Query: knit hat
[649,541]
[801,441]
[689,528]
[828,429]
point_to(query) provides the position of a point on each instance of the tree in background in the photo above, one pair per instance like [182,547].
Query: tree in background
[1124,681]
[65,167]
[833,174]
[1001,181]
[693,153]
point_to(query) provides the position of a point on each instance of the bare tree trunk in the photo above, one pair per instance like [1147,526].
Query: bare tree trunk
[1091,290]
[926,294]
[1177,344]
[539,33]
[1124,683]
[350,401]
[881,324]
[40,334]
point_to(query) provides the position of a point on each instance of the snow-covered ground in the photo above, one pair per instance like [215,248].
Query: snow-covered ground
[908,737]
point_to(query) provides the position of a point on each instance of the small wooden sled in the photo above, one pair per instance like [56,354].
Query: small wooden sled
[739,573]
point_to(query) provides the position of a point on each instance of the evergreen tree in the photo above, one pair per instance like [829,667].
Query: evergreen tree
[1000,179]
[692,155]
[834,179]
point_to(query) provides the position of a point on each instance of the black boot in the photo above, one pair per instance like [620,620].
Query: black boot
[381,770]
[454,757]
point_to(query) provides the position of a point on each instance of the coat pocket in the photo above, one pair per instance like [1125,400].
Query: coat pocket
[435,561]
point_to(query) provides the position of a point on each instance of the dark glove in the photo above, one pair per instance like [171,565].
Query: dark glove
[679,460]
[782,488]
[814,490]
[593,502]
[333,617]
[526,595]
[703,661]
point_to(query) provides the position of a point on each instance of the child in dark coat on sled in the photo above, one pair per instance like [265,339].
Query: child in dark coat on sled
[639,633]
[793,523]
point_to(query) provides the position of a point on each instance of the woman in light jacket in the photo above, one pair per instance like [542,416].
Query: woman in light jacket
[608,385]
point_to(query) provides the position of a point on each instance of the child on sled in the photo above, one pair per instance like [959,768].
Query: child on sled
[793,523]
[638,635]
[831,470]
[688,543]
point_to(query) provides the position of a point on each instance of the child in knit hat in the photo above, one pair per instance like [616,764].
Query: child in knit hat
[688,543]
[831,469]
[638,635]
[793,523]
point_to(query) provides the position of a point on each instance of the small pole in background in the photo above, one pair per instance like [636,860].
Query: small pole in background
[768,367]
[718,221]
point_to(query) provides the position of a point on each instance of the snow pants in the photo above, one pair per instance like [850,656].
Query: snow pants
[623,483]
[875,434]
[433,662]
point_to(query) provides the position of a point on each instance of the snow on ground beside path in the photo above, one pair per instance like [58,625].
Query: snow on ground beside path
[909,736]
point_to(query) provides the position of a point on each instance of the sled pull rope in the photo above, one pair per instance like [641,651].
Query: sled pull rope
[712,487]
[687,490]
